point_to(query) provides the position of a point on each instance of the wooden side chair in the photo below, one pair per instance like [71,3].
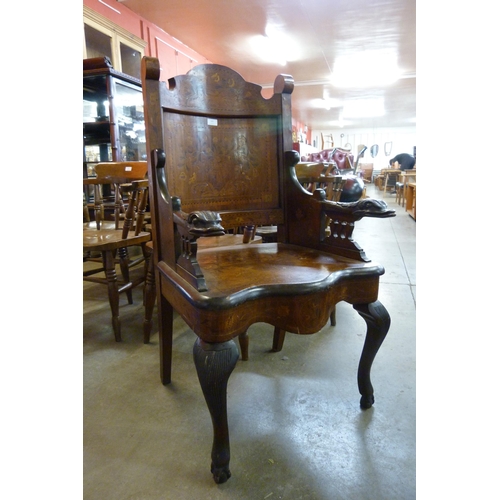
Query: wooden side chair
[109,204]
[314,175]
[221,154]
[326,141]
[366,170]
[390,179]
[112,245]
[405,177]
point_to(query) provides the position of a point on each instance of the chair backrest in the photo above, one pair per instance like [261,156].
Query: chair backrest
[343,158]
[121,171]
[391,177]
[326,140]
[217,145]
[120,175]
[320,175]
[308,172]
[408,176]
[137,192]
[366,170]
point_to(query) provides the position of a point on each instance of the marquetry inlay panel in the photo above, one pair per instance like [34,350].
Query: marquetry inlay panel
[239,151]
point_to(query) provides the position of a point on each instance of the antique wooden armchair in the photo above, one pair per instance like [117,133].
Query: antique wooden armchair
[222,154]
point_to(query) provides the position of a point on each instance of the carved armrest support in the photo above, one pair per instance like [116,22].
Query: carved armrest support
[339,218]
[190,227]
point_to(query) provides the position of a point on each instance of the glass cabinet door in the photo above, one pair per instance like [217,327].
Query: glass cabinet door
[129,116]
[131,60]
[98,44]
[96,124]
[113,116]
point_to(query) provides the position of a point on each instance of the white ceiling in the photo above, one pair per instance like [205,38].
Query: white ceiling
[321,33]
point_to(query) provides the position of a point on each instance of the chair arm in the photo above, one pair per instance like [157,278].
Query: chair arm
[366,207]
[339,217]
[190,227]
[199,223]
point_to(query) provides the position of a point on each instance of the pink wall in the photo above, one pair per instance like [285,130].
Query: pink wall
[118,13]
[175,57]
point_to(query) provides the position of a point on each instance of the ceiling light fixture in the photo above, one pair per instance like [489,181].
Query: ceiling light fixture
[367,68]
[275,46]
[364,108]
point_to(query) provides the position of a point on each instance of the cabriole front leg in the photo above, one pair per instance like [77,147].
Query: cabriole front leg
[214,364]
[378,322]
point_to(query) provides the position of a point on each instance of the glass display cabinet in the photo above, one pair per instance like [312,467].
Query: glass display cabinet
[113,115]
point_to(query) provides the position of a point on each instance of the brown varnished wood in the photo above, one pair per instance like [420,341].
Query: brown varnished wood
[121,172]
[112,244]
[112,175]
[221,156]
[216,318]
[319,176]
[277,267]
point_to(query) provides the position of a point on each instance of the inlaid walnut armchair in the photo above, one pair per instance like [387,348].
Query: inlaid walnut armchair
[221,154]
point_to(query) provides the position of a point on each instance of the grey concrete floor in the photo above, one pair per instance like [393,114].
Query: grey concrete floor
[297,431]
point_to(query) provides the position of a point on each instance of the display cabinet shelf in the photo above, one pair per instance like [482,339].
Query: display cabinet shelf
[113,115]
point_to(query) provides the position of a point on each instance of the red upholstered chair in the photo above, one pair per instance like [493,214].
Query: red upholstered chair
[344,159]
[220,154]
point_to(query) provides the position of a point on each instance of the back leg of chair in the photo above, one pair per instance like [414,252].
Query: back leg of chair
[165,333]
[333,317]
[279,335]
[386,181]
[149,296]
[243,341]
[278,339]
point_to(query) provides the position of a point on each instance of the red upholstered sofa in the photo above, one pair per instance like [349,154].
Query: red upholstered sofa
[342,157]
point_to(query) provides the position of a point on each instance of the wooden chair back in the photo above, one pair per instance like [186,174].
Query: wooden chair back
[220,149]
[118,175]
[314,176]
[326,141]
[409,175]
[366,170]
[391,176]
[121,171]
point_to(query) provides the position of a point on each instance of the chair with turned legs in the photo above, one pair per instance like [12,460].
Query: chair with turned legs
[112,247]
